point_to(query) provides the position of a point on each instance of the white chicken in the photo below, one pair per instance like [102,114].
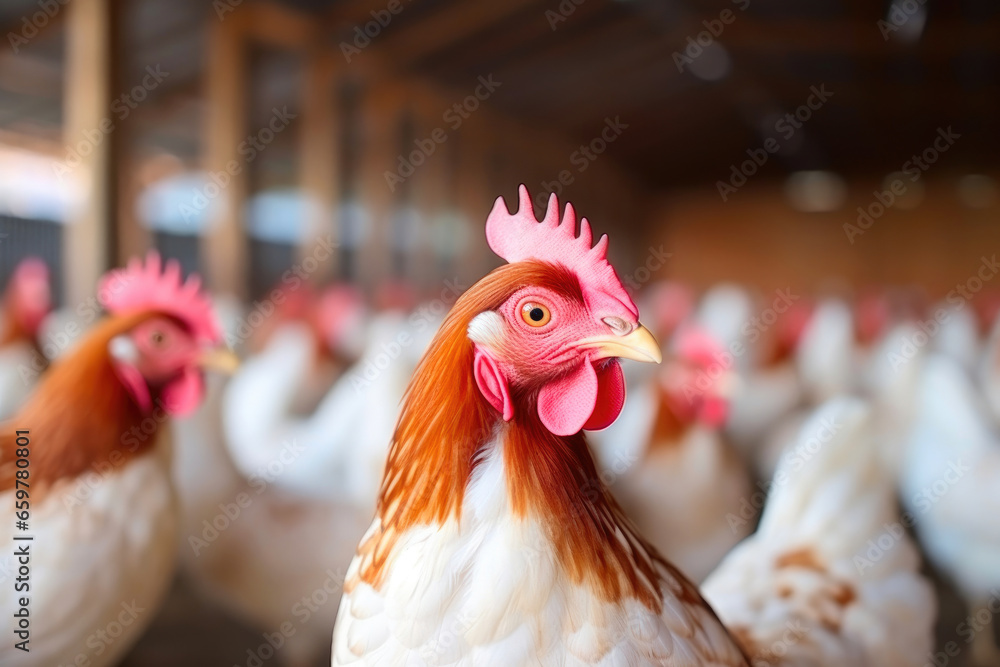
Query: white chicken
[951,486]
[88,470]
[285,483]
[830,577]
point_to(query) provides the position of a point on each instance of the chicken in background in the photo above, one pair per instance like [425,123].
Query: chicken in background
[102,514]
[830,577]
[674,473]
[950,484]
[26,303]
[836,347]
[988,370]
[957,335]
[308,483]
[769,388]
[827,355]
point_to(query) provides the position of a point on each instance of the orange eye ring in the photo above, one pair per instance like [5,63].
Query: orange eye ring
[535,314]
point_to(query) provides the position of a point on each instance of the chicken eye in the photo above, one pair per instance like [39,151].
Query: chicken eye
[535,314]
[157,338]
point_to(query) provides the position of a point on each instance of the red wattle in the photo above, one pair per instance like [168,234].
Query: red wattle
[610,397]
[182,396]
[566,404]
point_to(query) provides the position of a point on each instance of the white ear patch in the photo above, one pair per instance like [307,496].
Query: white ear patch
[123,349]
[487,329]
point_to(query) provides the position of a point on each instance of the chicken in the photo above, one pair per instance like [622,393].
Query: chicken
[769,387]
[950,484]
[310,491]
[989,370]
[685,484]
[27,302]
[95,491]
[761,351]
[495,541]
[827,355]
[277,393]
[830,577]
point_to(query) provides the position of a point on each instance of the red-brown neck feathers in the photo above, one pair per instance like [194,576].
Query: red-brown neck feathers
[80,417]
[444,425]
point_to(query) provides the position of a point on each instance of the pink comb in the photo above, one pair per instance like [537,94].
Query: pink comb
[699,347]
[139,288]
[31,268]
[518,237]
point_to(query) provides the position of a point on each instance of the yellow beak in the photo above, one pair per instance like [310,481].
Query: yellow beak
[220,359]
[638,346]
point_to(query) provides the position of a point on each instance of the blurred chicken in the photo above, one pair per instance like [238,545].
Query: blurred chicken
[684,482]
[26,303]
[769,387]
[830,577]
[951,485]
[307,482]
[988,370]
[836,350]
[102,517]
[495,541]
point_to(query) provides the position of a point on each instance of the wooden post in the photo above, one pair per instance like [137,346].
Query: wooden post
[320,157]
[224,244]
[381,120]
[474,200]
[89,239]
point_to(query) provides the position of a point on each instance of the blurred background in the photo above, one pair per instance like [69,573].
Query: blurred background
[817,146]
[234,134]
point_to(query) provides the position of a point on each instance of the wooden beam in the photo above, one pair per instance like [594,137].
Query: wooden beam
[444,28]
[275,25]
[15,31]
[224,243]
[88,236]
